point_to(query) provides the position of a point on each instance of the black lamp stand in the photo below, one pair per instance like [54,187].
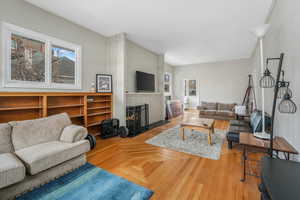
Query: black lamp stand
[275,98]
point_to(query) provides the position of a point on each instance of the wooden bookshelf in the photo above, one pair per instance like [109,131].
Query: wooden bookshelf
[98,109]
[86,109]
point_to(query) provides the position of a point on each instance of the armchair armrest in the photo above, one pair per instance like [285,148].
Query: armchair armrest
[73,133]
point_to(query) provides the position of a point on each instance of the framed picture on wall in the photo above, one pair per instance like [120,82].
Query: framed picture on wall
[167,77]
[167,84]
[104,83]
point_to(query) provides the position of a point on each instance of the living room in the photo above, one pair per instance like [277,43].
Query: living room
[120,100]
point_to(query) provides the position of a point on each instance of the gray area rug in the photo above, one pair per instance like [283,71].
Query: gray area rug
[195,142]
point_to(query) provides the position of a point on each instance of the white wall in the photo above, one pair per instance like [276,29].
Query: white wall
[115,55]
[94,45]
[170,69]
[284,36]
[141,59]
[218,82]
[156,107]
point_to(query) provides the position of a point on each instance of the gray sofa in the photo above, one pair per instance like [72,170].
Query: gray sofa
[34,152]
[217,110]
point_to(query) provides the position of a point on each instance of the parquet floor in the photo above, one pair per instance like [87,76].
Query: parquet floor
[173,175]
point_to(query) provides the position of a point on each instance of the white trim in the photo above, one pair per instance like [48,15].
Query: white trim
[197,87]
[197,96]
[7,30]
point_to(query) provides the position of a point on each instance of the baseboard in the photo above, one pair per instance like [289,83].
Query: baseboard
[159,123]
[152,126]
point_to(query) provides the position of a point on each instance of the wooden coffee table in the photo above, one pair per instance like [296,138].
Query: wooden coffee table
[193,122]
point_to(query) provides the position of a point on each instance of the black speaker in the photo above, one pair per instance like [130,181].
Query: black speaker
[109,128]
[123,132]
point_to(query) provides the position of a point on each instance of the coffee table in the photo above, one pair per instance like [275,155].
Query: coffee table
[196,123]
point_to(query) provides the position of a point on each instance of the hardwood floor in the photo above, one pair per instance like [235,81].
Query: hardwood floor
[174,175]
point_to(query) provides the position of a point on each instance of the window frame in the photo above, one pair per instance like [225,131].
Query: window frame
[7,82]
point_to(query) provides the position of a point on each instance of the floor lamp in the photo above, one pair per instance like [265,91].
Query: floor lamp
[260,32]
[281,90]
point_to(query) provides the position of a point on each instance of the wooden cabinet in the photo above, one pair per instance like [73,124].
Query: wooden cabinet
[86,109]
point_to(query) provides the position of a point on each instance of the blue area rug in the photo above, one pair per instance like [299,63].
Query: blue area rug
[89,183]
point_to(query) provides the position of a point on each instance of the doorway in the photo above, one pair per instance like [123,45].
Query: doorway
[191,92]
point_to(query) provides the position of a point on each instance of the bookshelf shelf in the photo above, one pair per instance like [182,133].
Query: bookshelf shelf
[100,107]
[65,106]
[99,101]
[76,116]
[17,106]
[94,124]
[99,113]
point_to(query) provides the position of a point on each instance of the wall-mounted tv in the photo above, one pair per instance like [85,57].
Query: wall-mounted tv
[145,82]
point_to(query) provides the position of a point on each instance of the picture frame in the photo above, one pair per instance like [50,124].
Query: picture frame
[104,83]
[166,77]
[167,84]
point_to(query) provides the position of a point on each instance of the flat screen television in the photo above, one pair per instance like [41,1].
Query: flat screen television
[145,82]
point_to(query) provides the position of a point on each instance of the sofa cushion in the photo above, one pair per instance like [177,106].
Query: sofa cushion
[227,107]
[32,132]
[5,138]
[207,112]
[201,108]
[11,170]
[209,105]
[225,113]
[40,157]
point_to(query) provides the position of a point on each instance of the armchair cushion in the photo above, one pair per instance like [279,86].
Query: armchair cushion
[73,133]
[11,170]
[40,157]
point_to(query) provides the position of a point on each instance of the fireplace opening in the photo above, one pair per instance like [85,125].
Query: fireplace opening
[137,119]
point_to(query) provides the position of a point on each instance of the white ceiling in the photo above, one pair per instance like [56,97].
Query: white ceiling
[187,31]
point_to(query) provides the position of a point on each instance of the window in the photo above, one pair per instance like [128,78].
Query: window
[63,65]
[34,60]
[27,58]
[190,88]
